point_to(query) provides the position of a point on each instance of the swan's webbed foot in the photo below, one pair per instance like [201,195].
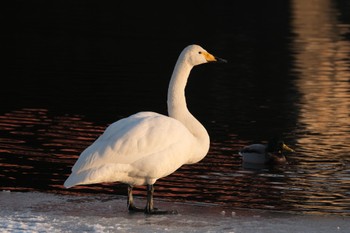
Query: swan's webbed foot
[131,205]
[156,211]
[149,206]
[149,209]
[133,208]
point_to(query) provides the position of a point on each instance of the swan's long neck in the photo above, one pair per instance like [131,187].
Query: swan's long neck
[177,108]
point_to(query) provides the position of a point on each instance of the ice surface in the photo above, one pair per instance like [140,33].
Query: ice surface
[45,212]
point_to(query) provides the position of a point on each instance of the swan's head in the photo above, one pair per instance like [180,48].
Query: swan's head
[196,55]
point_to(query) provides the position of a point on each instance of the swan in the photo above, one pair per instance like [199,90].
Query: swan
[272,152]
[147,146]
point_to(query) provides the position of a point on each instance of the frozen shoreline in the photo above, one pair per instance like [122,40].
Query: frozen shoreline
[46,212]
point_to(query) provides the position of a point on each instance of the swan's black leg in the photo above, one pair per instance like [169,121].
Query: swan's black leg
[149,206]
[130,203]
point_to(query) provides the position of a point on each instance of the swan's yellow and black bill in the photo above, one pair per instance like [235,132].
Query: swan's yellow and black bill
[287,148]
[210,58]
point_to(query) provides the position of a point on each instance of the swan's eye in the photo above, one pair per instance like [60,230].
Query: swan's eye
[200,52]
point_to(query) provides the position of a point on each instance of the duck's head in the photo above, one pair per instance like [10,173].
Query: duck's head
[275,149]
[196,55]
[277,146]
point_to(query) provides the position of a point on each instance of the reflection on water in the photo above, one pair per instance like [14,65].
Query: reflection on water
[322,58]
[38,146]
[322,62]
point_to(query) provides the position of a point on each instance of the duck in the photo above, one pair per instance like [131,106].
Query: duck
[146,146]
[270,153]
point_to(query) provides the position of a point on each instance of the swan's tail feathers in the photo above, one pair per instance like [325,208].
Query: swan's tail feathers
[71,181]
[85,177]
[106,173]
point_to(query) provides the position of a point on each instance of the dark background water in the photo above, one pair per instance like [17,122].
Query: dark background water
[73,67]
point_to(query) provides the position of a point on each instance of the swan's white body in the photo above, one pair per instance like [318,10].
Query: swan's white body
[137,150]
[146,146]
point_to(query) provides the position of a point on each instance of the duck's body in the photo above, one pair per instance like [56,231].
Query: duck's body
[263,154]
[146,146]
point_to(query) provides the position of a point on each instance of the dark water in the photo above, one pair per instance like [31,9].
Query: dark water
[74,68]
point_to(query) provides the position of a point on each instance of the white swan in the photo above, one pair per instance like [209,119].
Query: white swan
[146,146]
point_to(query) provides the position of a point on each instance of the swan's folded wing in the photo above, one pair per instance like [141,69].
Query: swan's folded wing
[131,139]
